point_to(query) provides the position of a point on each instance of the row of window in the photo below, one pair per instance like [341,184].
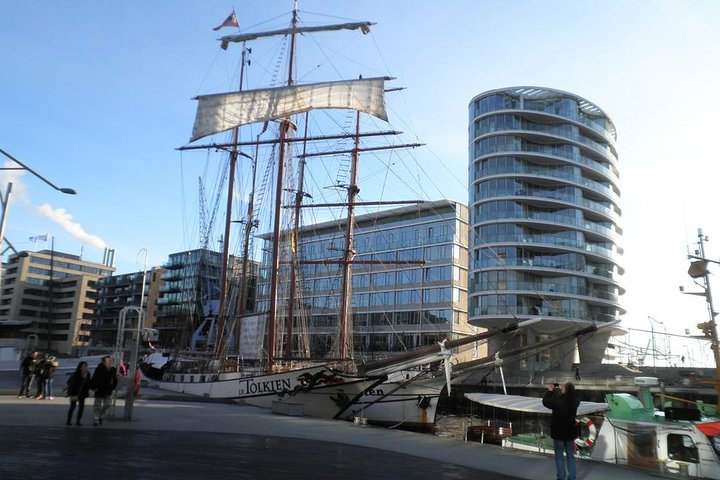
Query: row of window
[313,249]
[559,105]
[508,122]
[508,187]
[43,314]
[388,299]
[444,273]
[441,316]
[377,343]
[512,304]
[510,143]
[59,264]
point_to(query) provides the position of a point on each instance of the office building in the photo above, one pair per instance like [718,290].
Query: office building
[117,292]
[411,291]
[190,295]
[52,293]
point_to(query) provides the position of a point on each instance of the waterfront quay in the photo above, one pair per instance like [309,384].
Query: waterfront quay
[179,438]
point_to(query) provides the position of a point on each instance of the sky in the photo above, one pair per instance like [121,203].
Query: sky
[97,96]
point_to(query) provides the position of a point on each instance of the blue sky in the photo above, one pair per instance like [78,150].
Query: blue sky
[97,95]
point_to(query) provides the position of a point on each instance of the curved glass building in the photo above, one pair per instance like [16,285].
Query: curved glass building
[545,214]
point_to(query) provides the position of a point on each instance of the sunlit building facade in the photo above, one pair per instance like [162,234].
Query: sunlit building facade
[53,294]
[411,292]
[545,219]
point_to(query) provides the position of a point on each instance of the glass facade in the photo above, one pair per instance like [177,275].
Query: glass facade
[544,211]
[191,293]
[411,291]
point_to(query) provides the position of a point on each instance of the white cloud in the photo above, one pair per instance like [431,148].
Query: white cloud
[19,192]
[65,220]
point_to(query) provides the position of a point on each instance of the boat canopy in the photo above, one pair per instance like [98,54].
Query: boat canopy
[521,403]
[223,111]
[711,429]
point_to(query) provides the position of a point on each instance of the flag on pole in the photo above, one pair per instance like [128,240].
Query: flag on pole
[39,238]
[230,21]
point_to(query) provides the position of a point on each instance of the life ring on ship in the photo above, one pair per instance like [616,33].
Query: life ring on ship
[589,441]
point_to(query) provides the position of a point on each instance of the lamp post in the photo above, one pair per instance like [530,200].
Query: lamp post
[132,371]
[130,394]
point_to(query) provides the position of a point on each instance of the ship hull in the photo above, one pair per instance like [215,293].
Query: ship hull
[400,402]
[317,391]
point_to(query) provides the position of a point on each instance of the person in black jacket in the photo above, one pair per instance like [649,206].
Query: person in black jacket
[564,404]
[27,367]
[38,372]
[78,389]
[103,382]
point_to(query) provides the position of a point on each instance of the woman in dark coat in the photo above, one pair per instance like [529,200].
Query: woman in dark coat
[78,388]
[564,404]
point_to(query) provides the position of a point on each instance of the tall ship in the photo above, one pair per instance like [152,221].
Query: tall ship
[262,358]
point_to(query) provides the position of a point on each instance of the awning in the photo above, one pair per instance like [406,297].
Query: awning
[528,404]
[710,429]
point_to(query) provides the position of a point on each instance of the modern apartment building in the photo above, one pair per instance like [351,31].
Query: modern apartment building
[545,219]
[411,290]
[52,292]
[117,292]
[191,293]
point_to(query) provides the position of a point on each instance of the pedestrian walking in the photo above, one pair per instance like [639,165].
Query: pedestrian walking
[564,403]
[51,364]
[103,381]
[27,369]
[78,388]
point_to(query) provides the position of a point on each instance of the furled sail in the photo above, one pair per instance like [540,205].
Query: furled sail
[244,37]
[223,111]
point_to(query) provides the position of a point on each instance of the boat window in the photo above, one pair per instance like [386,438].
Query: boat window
[681,448]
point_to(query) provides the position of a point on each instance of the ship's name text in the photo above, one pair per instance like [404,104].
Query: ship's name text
[268,386]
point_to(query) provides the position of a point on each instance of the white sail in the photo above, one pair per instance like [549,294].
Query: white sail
[219,112]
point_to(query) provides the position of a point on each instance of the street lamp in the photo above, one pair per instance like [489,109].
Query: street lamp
[69,191]
[132,373]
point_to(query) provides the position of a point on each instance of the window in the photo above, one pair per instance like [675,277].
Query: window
[681,448]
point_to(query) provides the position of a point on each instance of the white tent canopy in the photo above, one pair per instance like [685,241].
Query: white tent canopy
[528,404]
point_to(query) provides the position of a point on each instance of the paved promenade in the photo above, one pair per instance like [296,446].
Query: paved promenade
[191,440]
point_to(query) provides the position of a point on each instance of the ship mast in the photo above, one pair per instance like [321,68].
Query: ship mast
[274,279]
[698,269]
[222,314]
[207,124]
[299,194]
[345,320]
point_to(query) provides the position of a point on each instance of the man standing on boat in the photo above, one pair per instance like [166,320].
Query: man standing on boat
[564,404]
[103,381]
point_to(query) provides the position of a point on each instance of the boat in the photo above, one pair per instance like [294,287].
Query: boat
[627,430]
[262,372]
